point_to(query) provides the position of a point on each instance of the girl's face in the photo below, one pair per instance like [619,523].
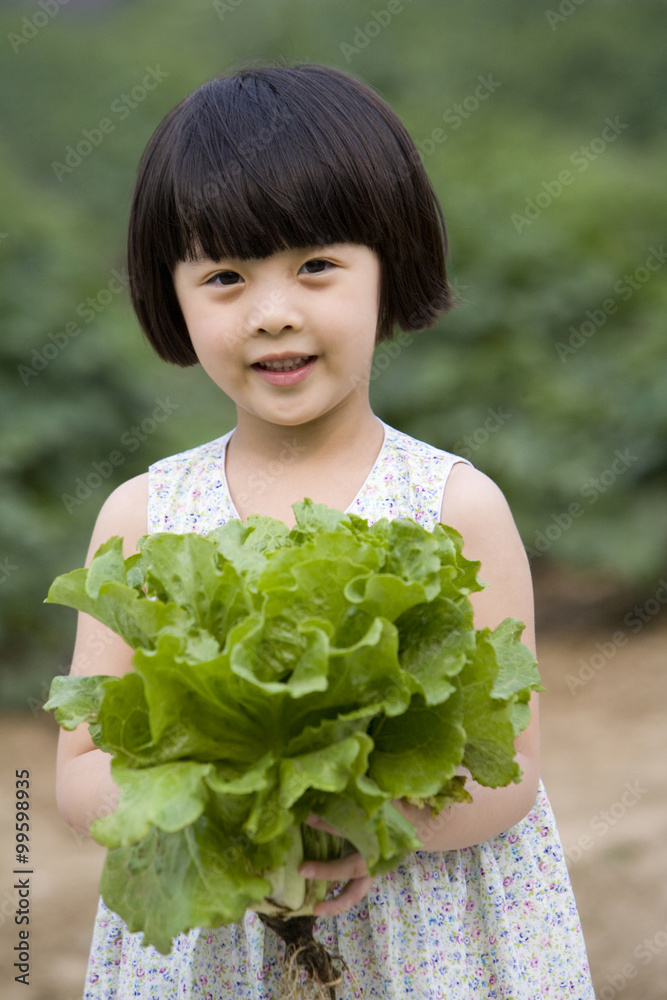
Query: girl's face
[289,337]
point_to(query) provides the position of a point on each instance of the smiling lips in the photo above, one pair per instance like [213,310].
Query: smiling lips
[287,370]
[285,364]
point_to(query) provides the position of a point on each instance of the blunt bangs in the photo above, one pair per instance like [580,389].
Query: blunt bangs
[276,158]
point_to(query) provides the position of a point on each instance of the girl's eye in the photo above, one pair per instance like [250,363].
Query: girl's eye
[226,278]
[317,265]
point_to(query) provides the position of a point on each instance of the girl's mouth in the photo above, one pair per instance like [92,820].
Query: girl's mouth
[285,371]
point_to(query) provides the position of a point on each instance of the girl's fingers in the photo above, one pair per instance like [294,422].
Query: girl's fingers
[351,869]
[353,893]
[340,870]
[321,824]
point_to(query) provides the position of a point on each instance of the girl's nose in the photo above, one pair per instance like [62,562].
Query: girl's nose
[274,312]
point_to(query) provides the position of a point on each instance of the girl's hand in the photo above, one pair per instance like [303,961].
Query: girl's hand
[351,868]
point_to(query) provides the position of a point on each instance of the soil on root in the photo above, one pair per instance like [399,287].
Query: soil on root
[304,953]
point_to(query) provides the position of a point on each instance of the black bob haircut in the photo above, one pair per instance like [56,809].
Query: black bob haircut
[272,158]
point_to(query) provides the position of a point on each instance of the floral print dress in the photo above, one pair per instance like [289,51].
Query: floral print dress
[497,921]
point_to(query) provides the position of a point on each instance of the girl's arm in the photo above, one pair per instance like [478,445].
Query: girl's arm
[84,788]
[476,507]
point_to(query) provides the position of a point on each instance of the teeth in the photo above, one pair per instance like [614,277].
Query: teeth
[286,365]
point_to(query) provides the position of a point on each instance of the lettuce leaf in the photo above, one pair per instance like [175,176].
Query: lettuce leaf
[327,668]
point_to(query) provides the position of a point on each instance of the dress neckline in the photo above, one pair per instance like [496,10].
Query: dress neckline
[376,463]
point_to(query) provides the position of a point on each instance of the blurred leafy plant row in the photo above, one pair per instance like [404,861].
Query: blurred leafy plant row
[544,136]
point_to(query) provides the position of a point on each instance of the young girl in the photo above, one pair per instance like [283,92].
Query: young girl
[282,226]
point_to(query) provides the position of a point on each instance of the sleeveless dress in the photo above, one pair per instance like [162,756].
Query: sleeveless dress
[497,920]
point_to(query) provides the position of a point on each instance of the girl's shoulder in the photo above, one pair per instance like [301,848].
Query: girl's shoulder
[476,507]
[473,497]
[471,502]
[123,513]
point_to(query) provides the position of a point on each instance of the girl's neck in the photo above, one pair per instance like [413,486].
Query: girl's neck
[317,443]
[267,473]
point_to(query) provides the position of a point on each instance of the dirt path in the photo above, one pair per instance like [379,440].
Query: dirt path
[604,751]
[604,756]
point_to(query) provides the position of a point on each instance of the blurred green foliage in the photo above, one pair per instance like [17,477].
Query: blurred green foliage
[542,127]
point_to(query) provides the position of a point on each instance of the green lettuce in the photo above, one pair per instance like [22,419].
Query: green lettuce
[325,669]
